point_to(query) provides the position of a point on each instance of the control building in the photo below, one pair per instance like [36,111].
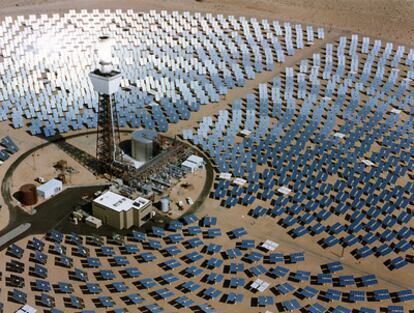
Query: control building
[121,212]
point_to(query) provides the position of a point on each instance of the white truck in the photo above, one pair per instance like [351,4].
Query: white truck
[190,201]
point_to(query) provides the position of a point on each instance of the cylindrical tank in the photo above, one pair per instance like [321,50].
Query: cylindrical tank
[165,204]
[28,194]
[142,144]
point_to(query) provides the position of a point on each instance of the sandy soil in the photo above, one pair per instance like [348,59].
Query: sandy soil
[391,20]
[269,228]
[388,19]
[189,187]
[25,142]
[153,270]
[38,165]
[359,16]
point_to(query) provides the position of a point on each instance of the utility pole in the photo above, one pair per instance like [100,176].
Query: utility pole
[34,161]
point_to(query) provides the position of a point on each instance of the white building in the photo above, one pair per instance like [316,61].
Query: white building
[189,166]
[50,188]
[193,163]
[121,212]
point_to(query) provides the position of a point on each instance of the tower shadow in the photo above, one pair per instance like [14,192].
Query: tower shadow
[83,157]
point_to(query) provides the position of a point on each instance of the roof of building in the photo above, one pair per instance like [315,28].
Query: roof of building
[114,201]
[195,159]
[120,203]
[189,164]
[51,184]
[93,219]
[140,203]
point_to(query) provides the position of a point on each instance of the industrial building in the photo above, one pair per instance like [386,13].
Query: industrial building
[50,188]
[121,212]
[193,163]
[143,144]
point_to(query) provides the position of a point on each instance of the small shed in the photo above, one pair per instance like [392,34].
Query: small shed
[93,221]
[50,188]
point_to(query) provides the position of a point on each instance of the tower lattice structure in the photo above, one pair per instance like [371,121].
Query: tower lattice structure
[106,81]
[108,135]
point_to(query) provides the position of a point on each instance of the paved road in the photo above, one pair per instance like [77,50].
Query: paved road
[14,233]
[54,213]
[50,214]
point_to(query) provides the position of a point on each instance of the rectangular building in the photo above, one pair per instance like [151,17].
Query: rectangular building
[50,188]
[193,163]
[189,166]
[121,212]
[199,161]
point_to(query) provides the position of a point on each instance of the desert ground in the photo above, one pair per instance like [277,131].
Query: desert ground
[390,20]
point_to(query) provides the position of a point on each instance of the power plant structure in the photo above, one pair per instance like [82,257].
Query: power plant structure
[106,81]
[143,144]
[156,170]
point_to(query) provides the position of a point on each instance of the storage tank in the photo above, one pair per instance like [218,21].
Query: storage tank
[142,144]
[165,204]
[28,194]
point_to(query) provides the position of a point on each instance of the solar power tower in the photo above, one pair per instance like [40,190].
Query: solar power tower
[106,81]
